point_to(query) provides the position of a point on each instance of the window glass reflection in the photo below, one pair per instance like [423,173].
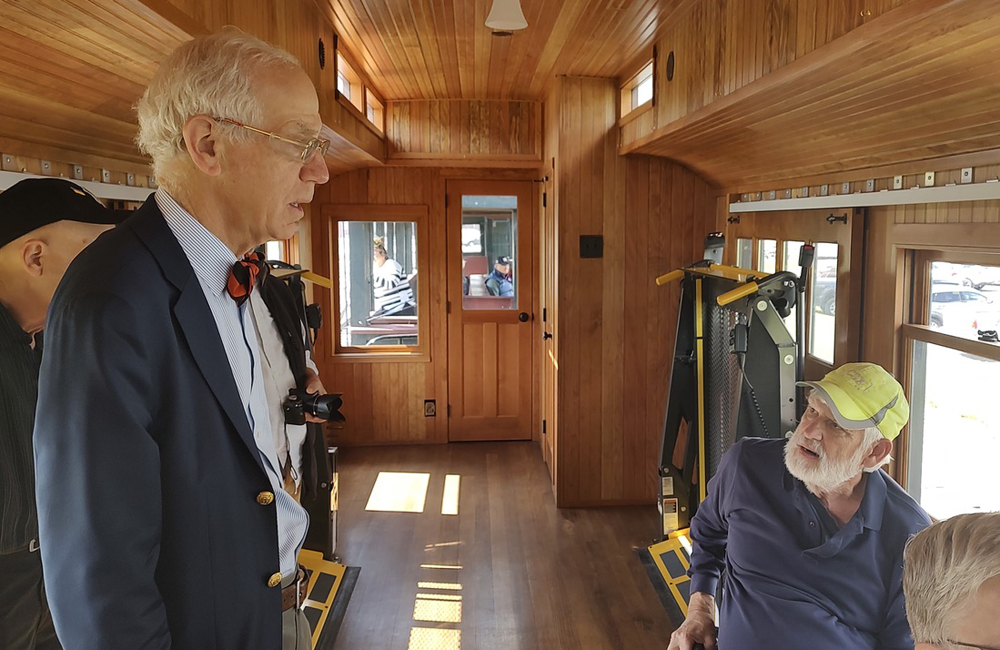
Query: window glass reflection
[823,289]
[377,278]
[489,252]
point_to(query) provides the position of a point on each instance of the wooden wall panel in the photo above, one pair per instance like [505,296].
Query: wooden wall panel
[472,132]
[761,93]
[615,327]
[719,47]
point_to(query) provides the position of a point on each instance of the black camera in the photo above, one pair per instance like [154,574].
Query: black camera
[325,407]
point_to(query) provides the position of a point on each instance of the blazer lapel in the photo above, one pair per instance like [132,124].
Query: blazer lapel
[192,313]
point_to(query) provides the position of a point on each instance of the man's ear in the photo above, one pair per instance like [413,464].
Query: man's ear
[879,451]
[32,255]
[201,140]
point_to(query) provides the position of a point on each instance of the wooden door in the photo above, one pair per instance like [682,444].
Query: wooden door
[490,323]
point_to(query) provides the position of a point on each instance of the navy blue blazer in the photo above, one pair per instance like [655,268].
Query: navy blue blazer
[147,472]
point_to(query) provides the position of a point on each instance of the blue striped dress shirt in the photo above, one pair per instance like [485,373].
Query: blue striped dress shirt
[212,262]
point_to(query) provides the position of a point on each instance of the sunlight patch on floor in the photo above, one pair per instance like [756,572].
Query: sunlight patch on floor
[449,498]
[440,585]
[437,611]
[425,638]
[441,566]
[399,492]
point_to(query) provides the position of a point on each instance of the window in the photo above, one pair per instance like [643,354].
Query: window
[379,293]
[823,308]
[274,250]
[957,307]
[744,253]
[374,110]
[349,83]
[766,254]
[489,252]
[954,429]
[638,90]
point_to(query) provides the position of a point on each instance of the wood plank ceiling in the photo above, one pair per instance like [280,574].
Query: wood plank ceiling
[920,82]
[70,71]
[441,49]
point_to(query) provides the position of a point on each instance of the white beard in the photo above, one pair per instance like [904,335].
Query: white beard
[824,474]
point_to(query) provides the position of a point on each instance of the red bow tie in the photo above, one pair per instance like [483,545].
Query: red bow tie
[244,275]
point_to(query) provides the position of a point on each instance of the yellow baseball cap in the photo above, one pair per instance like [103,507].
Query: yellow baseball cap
[863,395]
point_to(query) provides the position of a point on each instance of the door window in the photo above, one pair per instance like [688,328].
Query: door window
[489,252]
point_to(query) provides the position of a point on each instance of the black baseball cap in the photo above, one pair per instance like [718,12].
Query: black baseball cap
[503,259]
[35,202]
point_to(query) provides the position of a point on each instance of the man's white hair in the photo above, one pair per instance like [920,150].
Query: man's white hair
[210,75]
[943,567]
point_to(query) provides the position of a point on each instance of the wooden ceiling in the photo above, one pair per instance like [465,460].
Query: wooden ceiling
[920,82]
[441,49]
[70,71]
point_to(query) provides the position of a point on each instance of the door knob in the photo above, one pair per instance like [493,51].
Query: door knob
[523,317]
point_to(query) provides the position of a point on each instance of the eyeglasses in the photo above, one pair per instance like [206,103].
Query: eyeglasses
[969,645]
[309,149]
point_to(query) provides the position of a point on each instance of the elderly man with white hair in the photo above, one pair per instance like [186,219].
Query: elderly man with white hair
[160,491]
[951,578]
[810,531]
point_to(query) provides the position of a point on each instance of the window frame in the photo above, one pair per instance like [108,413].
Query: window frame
[626,91]
[333,215]
[374,102]
[344,68]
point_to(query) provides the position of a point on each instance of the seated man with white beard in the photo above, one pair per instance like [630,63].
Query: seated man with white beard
[810,531]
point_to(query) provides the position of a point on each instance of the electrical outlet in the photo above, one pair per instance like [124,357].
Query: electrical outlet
[966,175]
[928,179]
[897,182]
[430,408]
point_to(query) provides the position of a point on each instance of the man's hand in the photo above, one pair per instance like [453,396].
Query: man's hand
[313,386]
[698,627]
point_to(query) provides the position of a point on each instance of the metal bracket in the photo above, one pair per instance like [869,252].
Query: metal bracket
[46,167]
[735,219]
[870,185]
[928,179]
[832,219]
[845,188]
[105,176]
[805,192]
[78,172]
[966,175]
[824,190]
[897,182]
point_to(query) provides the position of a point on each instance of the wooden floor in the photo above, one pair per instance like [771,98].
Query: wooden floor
[530,576]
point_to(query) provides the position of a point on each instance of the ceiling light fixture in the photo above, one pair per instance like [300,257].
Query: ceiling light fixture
[506,16]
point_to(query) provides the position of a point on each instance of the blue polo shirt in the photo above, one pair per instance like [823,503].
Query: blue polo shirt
[794,578]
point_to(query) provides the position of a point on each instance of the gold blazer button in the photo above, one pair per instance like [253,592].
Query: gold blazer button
[265,498]
[274,580]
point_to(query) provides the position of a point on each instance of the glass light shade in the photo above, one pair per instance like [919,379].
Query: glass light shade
[506,15]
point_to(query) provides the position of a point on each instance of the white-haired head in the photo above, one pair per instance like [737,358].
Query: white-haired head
[944,568]
[210,75]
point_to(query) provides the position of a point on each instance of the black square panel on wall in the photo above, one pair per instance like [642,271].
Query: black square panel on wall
[591,246]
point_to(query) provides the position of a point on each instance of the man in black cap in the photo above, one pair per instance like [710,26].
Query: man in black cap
[44,224]
[498,282]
